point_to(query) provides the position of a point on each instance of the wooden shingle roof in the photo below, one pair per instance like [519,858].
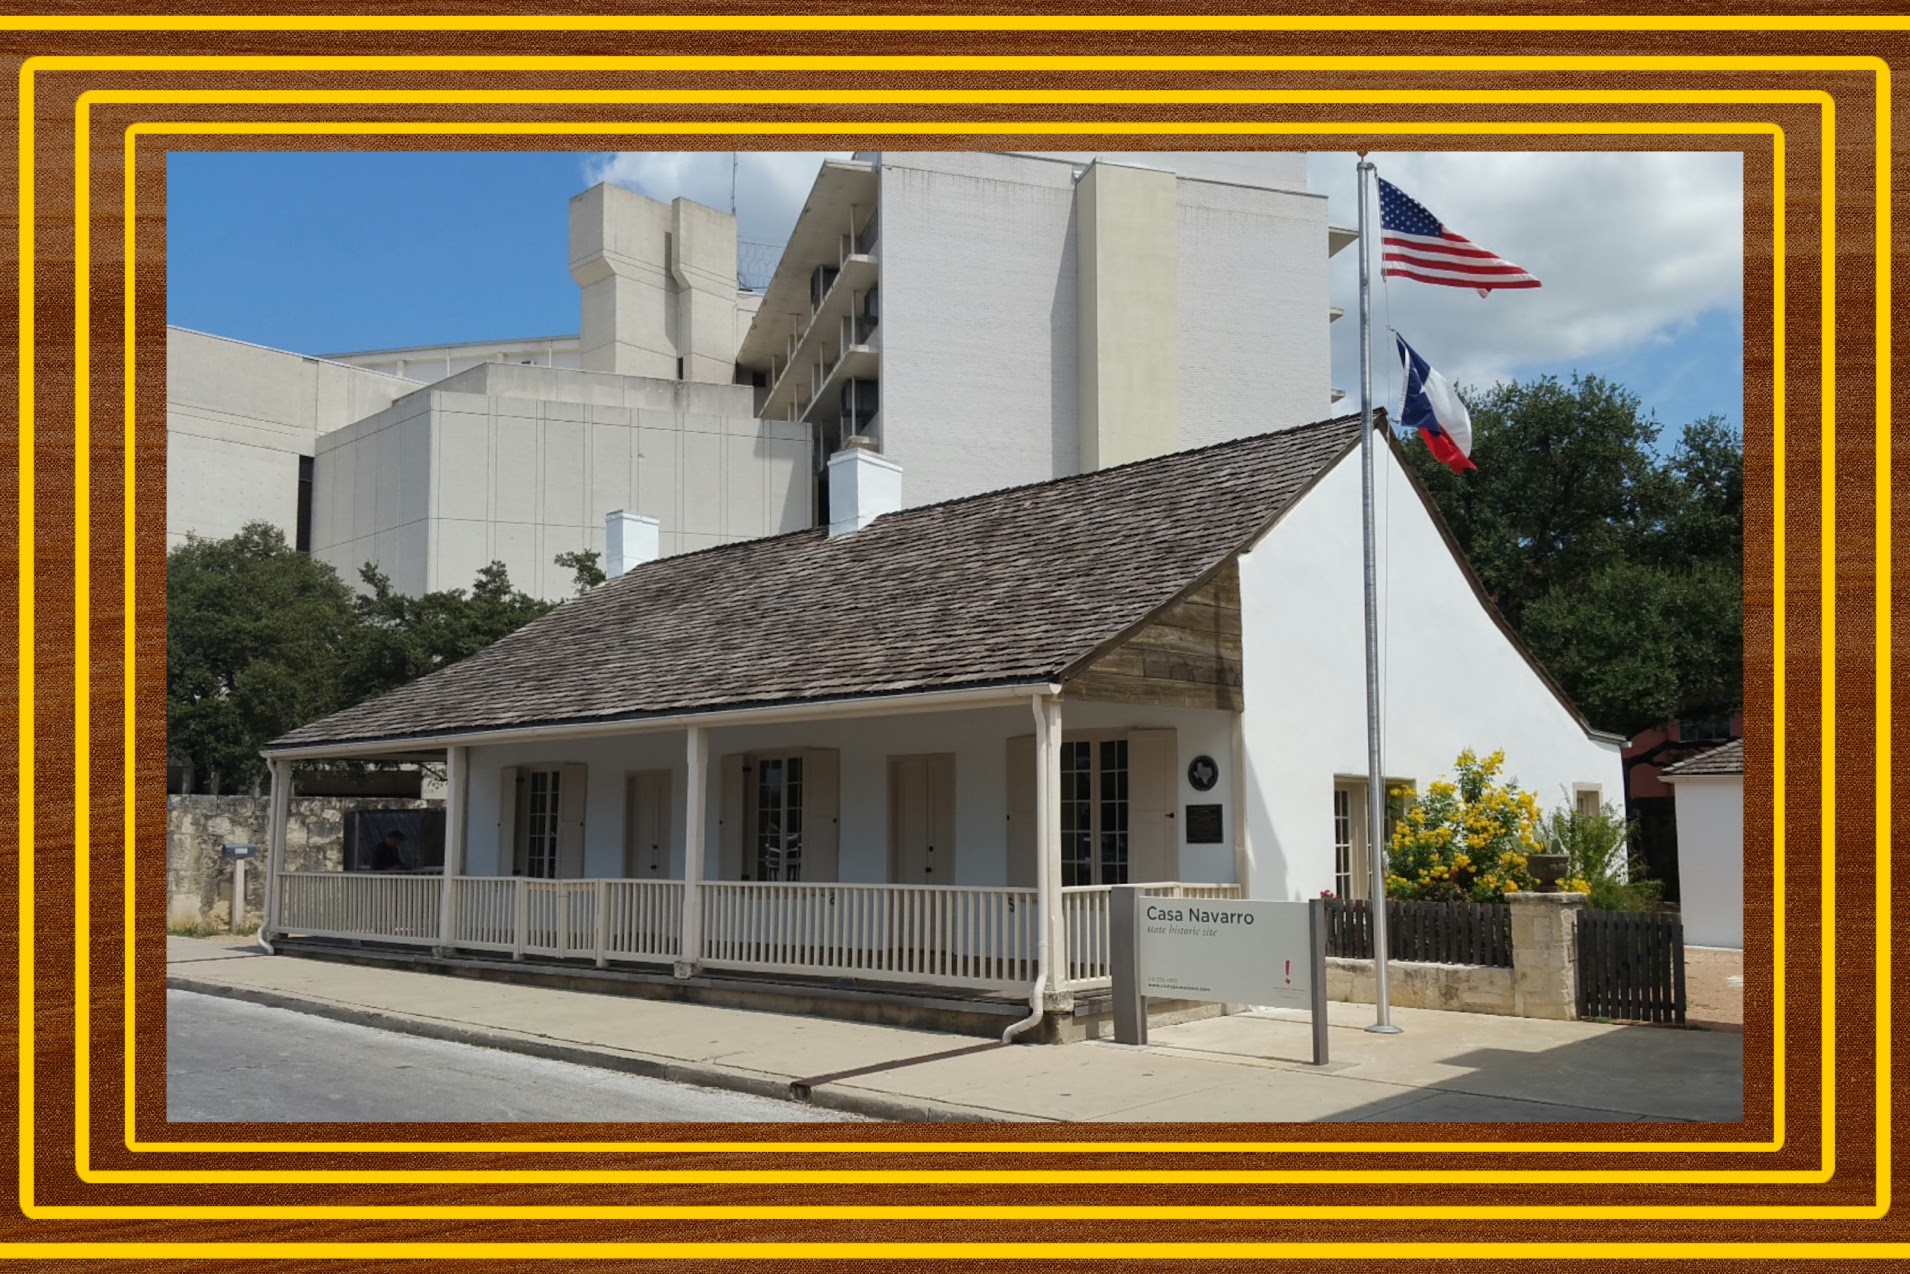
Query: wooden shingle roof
[1728,759]
[1004,588]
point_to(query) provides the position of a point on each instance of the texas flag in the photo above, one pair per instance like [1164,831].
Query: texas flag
[1435,411]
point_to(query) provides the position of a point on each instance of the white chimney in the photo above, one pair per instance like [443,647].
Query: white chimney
[630,540]
[863,485]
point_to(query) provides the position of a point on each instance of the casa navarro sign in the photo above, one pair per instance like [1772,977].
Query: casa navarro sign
[1235,951]
[1197,915]
[1231,950]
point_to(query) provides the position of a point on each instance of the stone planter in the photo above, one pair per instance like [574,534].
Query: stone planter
[1548,869]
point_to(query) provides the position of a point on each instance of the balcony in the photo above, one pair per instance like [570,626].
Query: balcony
[837,340]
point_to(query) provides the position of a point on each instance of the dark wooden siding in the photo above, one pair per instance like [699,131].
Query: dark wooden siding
[1188,657]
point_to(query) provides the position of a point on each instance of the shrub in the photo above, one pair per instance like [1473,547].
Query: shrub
[1467,839]
[1602,865]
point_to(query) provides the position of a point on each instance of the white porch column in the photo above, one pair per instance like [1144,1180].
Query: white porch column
[457,771]
[278,820]
[1048,839]
[696,804]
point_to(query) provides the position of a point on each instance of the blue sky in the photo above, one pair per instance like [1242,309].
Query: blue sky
[326,253]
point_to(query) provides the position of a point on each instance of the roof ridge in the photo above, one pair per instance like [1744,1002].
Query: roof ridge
[1164,458]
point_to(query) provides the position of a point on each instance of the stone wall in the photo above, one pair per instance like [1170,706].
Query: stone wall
[198,877]
[1542,982]
[1458,988]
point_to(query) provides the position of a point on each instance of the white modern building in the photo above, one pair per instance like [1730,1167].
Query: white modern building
[994,319]
[985,319]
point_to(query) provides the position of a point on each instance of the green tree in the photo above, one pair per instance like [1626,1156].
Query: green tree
[255,637]
[585,566]
[400,638]
[1709,463]
[1636,644]
[1620,567]
[1566,483]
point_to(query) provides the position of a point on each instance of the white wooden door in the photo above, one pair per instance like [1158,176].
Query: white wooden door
[922,819]
[646,821]
[1153,762]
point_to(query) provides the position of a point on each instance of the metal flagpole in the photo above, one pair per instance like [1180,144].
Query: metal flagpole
[1375,783]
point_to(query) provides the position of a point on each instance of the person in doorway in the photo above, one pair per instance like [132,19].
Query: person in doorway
[390,855]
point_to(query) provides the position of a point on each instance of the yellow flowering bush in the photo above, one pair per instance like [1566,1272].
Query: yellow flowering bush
[1467,839]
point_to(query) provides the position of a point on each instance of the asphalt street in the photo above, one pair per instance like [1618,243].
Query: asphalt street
[229,1060]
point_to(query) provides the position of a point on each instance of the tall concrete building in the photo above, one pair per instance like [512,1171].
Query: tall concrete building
[985,319]
[994,319]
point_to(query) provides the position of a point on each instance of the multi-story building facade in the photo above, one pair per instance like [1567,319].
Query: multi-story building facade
[994,319]
[986,319]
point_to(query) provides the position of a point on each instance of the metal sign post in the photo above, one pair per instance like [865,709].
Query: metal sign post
[238,854]
[1316,940]
[1124,965]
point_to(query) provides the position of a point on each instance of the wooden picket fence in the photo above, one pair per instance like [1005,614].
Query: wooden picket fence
[1631,966]
[1432,932]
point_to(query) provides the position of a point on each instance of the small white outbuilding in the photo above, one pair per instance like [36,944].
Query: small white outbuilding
[1710,805]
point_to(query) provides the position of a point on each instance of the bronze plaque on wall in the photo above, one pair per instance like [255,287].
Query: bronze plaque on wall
[1203,825]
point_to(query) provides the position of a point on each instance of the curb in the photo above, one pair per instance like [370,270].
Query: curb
[849,1101]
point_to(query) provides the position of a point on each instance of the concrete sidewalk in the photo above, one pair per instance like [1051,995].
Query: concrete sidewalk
[1250,1067]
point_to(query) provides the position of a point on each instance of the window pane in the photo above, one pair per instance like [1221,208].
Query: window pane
[1342,842]
[1113,812]
[1077,835]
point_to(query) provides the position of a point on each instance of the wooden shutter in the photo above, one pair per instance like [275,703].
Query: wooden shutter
[571,803]
[1153,756]
[1021,812]
[729,824]
[507,781]
[821,801]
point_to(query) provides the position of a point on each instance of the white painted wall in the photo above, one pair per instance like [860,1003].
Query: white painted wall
[978,322]
[978,738]
[980,271]
[441,483]
[435,362]
[1710,810]
[1253,311]
[1277,170]
[1450,679]
[238,417]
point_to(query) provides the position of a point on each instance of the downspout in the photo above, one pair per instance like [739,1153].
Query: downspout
[1037,1003]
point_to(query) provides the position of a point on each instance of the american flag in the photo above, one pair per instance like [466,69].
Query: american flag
[1414,244]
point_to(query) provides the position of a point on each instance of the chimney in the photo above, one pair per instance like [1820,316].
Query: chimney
[630,540]
[863,485]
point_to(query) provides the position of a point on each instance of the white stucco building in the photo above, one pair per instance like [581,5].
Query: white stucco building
[921,744]
[988,319]
[1709,792]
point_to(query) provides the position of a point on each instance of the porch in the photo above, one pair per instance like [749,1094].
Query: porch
[970,938]
[929,844]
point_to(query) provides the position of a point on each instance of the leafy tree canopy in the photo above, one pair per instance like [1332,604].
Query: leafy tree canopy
[585,567]
[1620,567]
[255,639]
[261,639]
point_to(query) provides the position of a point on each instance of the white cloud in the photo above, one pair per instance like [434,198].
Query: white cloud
[1631,248]
[770,185]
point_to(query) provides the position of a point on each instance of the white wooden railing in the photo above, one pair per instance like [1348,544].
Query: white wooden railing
[344,904]
[1084,910]
[943,934]
[938,934]
[603,919]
